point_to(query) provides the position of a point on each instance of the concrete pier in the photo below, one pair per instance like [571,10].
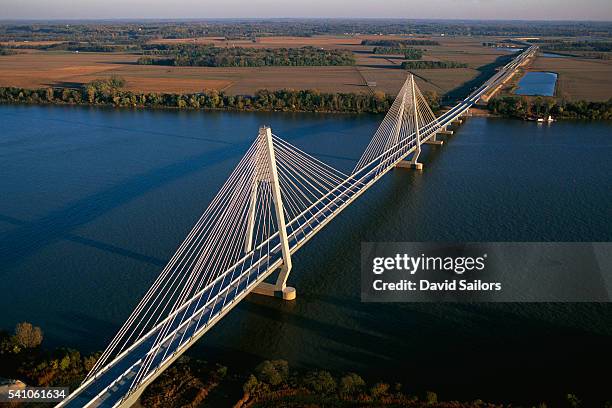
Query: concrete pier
[409,165]
[268,289]
[434,142]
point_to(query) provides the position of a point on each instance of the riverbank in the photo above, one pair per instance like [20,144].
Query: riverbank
[106,93]
[523,107]
[101,94]
[195,382]
[191,382]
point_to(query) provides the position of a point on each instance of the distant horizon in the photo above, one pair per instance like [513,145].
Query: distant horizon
[196,19]
[489,10]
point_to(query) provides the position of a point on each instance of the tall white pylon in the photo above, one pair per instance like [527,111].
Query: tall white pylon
[267,172]
[414,161]
[408,124]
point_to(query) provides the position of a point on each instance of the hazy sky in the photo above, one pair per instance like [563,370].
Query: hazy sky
[461,9]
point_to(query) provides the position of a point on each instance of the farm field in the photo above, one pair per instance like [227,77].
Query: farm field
[578,78]
[33,69]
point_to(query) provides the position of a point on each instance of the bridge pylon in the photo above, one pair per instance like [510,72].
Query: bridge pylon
[418,114]
[414,161]
[267,172]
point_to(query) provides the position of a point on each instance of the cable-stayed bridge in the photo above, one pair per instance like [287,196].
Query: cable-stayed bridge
[275,200]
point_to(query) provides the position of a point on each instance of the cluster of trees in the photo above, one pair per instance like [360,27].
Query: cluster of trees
[432,64]
[508,43]
[526,107]
[189,382]
[408,53]
[209,56]
[398,43]
[61,367]
[7,51]
[22,357]
[87,47]
[26,336]
[274,384]
[107,92]
[556,45]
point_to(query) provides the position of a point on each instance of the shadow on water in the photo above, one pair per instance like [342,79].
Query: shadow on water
[95,244]
[59,223]
[85,326]
[18,244]
[132,130]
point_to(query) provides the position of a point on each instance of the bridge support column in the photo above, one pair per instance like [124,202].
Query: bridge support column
[434,140]
[413,163]
[279,288]
[409,164]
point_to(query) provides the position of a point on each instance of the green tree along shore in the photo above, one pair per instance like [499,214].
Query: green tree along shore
[526,107]
[210,56]
[109,92]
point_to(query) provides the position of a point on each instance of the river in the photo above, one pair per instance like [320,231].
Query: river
[95,201]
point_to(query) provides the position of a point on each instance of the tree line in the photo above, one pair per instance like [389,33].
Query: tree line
[525,107]
[103,94]
[558,45]
[408,53]
[7,51]
[131,32]
[398,43]
[210,56]
[87,47]
[109,92]
[274,383]
[432,64]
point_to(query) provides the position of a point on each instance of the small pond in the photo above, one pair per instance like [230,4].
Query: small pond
[537,83]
